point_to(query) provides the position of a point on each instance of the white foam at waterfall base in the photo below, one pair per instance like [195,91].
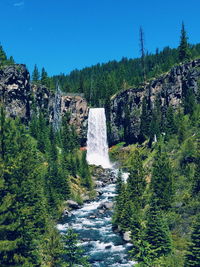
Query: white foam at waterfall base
[97,146]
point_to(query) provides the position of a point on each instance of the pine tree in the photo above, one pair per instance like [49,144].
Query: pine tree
[136,181]
[193,254]
[119,183]
[145,120]
[196,179]
[171,127]
[22,205]
[36,74]
[162,180]
[142,51]
[73,253]
[184,53]
[3,57]
[157,233]
[121,199]
[85,172]
[44,77]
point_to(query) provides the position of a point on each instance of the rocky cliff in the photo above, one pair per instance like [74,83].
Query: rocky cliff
[170,88]
[15,91]
[22,99]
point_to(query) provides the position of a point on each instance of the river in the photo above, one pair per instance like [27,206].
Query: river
[93,224]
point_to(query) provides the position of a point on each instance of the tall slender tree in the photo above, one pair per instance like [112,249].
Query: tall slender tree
[193,254]
[142,52]
[184,53]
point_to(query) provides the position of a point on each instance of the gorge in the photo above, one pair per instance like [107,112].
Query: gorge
[44,157]
[92,221]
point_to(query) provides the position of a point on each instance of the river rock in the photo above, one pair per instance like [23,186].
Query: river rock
[99,192]
[66,212]
[99,184]
[73,204]
[93,216]
[106,205]
[101,211]
[127,236]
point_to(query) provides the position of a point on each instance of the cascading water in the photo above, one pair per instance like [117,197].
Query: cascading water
[93,223]
[97,146]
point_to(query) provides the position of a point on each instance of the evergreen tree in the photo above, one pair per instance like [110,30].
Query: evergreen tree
[85,172]
[136,181]
[142,51]
[3,57]
[161,181]
[196,179]
[184,52]
[189,101]
[127,126]
[22,207]
[193,254]
[35,74]
[44,77]
[171,127]
[157,233]
[73,253]
[119,183]
[145,120]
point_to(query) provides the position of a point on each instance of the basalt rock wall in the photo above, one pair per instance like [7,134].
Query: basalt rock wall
[22,99]
[169,88]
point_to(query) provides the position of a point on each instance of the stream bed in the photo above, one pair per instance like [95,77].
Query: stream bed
[93,224]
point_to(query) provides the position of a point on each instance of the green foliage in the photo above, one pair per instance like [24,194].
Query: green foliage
[36,74]
[157,233]
[73,253]
[85,173]
[33,185]
[162,180]
[170,198]
[184,52]
[99,82]
[136,183]
[193,254]
[44,78]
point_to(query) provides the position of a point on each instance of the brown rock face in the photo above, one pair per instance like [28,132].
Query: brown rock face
[78,108]
[22,100]
[15,91]
[169,88]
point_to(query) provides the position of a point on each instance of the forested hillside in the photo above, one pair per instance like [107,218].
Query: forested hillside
[39,170]
[99,82]
[42,166]
[159,204]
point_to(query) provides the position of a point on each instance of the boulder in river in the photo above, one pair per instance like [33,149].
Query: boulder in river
[106,205]
[127,236]
[73,204]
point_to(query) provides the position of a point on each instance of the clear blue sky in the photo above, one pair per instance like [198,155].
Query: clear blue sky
[62,35]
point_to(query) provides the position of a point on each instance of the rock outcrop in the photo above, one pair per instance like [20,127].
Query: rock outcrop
[170,88]
[23,99]
[15,91]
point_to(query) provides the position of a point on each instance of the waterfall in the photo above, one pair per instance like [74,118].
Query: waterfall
[57,109]
[97,146]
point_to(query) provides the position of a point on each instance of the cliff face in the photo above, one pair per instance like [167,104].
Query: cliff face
[169,88]
[15,91]
[22,100]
